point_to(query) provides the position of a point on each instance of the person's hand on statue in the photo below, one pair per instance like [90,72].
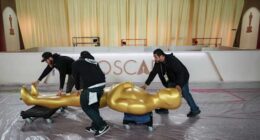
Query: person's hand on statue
[60,93]
[178,88]
[144,86]
[36,83]
[78,92]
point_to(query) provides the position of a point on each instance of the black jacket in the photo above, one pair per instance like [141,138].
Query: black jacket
[176,72]
[62,64]
[88,71]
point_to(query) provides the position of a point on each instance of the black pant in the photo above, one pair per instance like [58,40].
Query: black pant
[70,84]
[93,110]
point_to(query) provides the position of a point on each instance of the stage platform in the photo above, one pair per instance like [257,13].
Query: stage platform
[230,111]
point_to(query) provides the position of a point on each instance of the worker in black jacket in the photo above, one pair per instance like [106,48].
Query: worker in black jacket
[63,65]
[86,71]
[172,73]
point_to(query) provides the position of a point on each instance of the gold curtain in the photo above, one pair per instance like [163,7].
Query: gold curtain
[43,22]
[164,23]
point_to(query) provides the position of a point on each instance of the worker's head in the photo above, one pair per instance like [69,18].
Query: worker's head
[159,55]
[47,57]
[86,54]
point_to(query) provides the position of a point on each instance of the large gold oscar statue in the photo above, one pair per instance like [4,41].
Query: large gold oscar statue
[123,97]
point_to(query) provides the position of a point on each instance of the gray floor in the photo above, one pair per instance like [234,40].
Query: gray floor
[230,111]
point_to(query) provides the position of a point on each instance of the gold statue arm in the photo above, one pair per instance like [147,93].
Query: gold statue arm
[34,90]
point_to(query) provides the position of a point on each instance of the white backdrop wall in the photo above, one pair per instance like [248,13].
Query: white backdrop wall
[211,66]
[236,66]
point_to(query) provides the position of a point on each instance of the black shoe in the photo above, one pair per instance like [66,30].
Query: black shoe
[193,113]
[162,111]
[90,129]
[101,132]
[64,107]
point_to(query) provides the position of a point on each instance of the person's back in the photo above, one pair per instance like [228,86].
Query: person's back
[175,70]
[89,71]
[62,63]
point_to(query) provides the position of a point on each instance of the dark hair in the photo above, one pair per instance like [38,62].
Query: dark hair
[46,55]
[86,54]
[159,52]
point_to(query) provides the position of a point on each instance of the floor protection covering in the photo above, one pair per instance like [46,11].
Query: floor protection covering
[228,113]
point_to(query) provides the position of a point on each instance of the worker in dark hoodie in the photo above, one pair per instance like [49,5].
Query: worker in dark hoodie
[63,65]
[86,71]
[173,74]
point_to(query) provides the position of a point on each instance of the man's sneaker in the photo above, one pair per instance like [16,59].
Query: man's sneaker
[101,132]
[162,111]
[193,113]
[90,129]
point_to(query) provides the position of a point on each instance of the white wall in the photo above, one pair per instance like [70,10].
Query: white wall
[211,66]
[238,66]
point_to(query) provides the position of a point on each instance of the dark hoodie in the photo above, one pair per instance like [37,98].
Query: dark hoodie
[62,64]
[87,70]
[176,72]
